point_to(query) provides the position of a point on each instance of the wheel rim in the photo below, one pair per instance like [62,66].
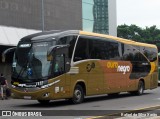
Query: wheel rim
[77,95]
[141,88]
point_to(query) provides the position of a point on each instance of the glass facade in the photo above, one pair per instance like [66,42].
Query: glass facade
[95,16]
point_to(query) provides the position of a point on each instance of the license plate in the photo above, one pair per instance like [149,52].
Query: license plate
[27,97]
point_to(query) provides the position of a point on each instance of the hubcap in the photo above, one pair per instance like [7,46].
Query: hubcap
[77,94]
[141,89]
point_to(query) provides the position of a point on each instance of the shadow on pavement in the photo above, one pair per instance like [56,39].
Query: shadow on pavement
[65,102]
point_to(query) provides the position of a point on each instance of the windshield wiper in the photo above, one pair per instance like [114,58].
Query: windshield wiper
[22,69]
[36,76]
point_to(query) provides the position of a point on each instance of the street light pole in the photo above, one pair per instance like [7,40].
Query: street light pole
[42,14]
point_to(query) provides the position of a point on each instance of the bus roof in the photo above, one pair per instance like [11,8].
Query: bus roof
[57,33]
[47,34]
[126,41]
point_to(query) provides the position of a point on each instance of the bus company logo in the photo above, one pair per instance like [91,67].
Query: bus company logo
[112,65]
[120,68]
[123,69]
[90,66]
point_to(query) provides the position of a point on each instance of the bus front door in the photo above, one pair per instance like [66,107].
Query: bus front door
[61,65]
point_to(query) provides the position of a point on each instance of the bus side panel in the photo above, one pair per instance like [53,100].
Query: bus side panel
[91,73]
[116,76]
[78,73]
[60,89]
[154,75]
[95,78]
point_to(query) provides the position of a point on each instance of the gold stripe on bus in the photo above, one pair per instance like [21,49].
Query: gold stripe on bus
[153,67]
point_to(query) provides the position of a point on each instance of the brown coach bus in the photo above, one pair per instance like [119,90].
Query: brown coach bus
[73,64]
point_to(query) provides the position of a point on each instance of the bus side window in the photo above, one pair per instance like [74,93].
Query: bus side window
[150,53]
[96,49]
[104,49]
[59,67]
[81,50]
[68,40]
[114,51]
[72,45]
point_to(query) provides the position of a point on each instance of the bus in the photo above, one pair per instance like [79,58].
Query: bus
[159,68]
[74,64]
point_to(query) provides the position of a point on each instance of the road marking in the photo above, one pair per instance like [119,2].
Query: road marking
[132,111]
[158,117]
[96,117]
[150,108]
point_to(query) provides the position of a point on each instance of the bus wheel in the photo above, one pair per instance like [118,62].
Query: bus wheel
[140,90]
[78,95]
[44,102]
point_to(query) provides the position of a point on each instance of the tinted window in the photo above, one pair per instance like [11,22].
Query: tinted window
[132,53]
[137,53]
[59,67]
[96,48]
[103,49]
[140,65]
[150,53]
[81,50]
[68,40]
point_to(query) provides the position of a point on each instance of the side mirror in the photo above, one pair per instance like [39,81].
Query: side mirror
[7,51]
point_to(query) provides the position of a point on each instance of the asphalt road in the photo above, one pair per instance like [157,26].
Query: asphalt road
[92,106]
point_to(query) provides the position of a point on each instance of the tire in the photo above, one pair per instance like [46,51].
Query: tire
[140,90]
[44,102]
[78,95]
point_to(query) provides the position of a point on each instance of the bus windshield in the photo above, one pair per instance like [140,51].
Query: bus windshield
[30,61]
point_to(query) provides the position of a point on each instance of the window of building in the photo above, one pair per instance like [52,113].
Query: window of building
[88,1]
[87,11]
[88,25]
[95,15]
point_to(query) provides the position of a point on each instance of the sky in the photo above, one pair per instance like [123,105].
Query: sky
[139,12]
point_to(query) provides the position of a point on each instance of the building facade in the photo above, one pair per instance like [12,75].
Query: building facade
[90,15]
[99,16]
[58,14]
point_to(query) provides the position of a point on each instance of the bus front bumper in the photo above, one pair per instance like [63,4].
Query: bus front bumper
[40,94]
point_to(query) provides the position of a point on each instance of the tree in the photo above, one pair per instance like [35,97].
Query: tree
[146,35]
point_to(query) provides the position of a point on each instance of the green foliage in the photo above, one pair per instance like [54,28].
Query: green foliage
[146,35]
